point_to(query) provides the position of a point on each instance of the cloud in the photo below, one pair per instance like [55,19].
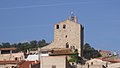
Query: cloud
[50,5]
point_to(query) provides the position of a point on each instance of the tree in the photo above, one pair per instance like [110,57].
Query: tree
[42,43]
[14,45]
[0,45]
[74,56]
[33,43]
[89,52]
[6,45]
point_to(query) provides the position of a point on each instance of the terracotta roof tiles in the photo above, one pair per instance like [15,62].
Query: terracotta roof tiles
[8,48]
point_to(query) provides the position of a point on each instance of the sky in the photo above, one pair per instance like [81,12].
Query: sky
[26,20]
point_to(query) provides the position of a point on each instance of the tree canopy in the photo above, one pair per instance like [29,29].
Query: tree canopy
[89,52]
[32,45]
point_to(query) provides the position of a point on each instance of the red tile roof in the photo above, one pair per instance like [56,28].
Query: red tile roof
[26,64]
[110,60]
[9,62]
[61,52]
[113,61]
[8,48]
[21,64]
[106,51]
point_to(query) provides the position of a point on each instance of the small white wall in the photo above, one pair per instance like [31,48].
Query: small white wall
[32,58]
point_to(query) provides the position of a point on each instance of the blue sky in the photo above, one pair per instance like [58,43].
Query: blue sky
[26,20]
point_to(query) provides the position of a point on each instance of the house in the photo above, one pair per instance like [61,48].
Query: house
[105,53]
[114,65]
[29,64]
[55,62]
[9,63]
[7,54]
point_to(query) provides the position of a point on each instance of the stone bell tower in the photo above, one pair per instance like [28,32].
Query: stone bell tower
[69,34]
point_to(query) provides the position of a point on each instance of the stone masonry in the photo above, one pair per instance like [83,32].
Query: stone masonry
[68,34]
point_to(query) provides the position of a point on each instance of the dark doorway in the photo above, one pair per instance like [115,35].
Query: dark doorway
[67,45]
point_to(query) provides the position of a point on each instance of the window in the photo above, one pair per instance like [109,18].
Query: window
[57,26]
[64,26]
[53,66]
[73,47]
[91,63]
[16,58]
[65,36]
[52,51]
[67,45]
[13,67]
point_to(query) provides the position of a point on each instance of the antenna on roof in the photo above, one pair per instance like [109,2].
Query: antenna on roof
[72,13]
[72,16]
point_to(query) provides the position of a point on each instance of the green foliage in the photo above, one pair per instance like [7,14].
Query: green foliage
[32,45]
[7,44]
[42,43]
[74,56]
[90,52]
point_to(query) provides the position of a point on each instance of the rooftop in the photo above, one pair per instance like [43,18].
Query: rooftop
[21,64]
[65,51]
[8,48]
[9,62]
[26,64]
[106,51]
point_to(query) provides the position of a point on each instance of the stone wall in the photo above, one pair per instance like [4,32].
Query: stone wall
[70,36]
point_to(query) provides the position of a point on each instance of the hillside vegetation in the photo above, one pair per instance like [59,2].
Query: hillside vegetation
[88,51]
[32,45]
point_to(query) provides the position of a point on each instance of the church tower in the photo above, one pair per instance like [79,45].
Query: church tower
[68,34]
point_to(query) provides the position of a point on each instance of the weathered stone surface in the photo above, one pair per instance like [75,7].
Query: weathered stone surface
[68,34]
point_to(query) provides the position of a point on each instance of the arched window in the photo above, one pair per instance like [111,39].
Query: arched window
[64,26]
